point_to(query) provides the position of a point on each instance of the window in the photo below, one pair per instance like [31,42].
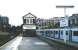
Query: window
[24,21]
[27,21]
[47,33]
[75,33]
[56,32]
[34,20]
[51,32]
[61,32]
[73,21]
[31,21]
[42,32]
[66,32]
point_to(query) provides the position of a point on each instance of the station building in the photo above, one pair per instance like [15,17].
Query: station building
[29,25]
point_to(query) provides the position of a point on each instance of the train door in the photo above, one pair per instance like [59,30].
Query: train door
[70,35]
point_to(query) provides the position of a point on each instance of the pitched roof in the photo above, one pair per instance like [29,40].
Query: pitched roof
[29,15]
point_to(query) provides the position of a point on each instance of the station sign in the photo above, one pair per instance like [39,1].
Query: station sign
[64,22]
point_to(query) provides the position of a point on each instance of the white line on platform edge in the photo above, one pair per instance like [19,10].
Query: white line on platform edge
[14,45]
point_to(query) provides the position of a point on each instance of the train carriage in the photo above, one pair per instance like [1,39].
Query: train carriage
[70,34]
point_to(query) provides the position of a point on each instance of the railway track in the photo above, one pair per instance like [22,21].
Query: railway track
[3,41]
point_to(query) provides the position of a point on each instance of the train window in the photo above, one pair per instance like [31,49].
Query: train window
[47,33]
[42,31]
[51,32]
[61,32]
[56,32]
[66,32]
[75,33]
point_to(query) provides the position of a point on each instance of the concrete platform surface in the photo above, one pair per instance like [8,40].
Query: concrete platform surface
[26,43]
[33,43]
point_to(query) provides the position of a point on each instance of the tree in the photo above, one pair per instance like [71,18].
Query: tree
[57,25]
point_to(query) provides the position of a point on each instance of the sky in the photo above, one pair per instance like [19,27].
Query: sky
[15,9]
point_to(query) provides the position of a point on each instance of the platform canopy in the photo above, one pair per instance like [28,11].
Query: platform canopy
[29,27]
[64,6]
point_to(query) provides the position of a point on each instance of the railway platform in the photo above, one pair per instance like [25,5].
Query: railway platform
[26,43]
[30,43]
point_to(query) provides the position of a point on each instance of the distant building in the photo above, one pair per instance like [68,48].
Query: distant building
[40,22]
[48,23]
[73,20]
[69,21]
[29,25]
[56,20]
[4,22]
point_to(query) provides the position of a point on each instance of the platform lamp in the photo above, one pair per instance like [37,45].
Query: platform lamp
[64,7]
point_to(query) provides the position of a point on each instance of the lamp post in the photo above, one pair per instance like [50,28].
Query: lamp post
[65,26]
